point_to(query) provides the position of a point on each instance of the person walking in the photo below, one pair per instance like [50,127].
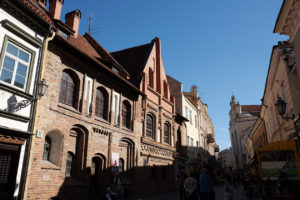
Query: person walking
[206,186]
[180,181]
[190,186]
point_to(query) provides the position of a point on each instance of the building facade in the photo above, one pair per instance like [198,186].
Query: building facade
[157,116]
[23,32]
[242,118]
[86,121]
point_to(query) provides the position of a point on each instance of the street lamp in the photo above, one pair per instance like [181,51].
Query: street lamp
[42,87]
[281,107]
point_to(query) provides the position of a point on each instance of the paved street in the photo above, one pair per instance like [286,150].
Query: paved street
[219,190]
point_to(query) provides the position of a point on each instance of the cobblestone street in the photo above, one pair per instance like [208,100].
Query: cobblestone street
[219,190]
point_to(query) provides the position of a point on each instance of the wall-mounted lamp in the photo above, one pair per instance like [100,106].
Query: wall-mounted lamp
[42,87]
[281,107]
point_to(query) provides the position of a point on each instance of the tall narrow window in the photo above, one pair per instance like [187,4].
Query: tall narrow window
[165,89]
[101,103]
[196,123]
[191,117]
[47,148]
[15,66]
[186,112]
[116,109]
[167,133]
[126,114]
[70,158]
[67,89]
[150,77]
[150,126]
[121,165]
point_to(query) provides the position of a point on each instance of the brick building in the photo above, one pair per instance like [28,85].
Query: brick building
[88,117]
[158,138]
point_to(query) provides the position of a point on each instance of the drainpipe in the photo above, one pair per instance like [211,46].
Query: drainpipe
[43,55]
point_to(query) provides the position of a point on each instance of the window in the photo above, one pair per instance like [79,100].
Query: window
[116,108]
[186,112]
[191,117]
[150,126]
[52,147]
[150,77]
[197,144]
[15,66]
[165,89]
[166,133]
[126,114]
[67,89]
[196,124]
[101,103]
[188,140]
[70,158]
[192,142]
[47,147]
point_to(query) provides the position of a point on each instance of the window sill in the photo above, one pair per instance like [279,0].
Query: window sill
[67,107]
[49,165]
[102,120]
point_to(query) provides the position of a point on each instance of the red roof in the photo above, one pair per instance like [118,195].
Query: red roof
[34,6]
[250,108]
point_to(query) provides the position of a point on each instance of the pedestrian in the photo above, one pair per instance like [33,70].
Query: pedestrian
[190,185]
[180,178]
[120,185]
[206,186]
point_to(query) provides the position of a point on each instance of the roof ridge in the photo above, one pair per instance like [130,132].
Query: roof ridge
[96,45]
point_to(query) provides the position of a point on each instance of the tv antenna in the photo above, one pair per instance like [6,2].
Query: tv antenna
[91,21]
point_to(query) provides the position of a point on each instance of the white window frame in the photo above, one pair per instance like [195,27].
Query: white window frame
[17,61]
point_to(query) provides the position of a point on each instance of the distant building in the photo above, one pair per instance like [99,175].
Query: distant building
[242,118]
[225,158]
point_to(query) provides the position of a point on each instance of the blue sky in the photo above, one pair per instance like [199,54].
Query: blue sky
[223,47]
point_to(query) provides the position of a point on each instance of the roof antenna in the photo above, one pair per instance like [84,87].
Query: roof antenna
[91,21]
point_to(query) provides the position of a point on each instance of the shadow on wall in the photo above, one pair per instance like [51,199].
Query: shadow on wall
[137,182]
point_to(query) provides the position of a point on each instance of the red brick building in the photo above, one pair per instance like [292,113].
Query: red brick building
[157,111]
[88,117]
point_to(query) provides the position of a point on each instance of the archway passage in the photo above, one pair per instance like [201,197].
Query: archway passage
[127,153]
[98,172]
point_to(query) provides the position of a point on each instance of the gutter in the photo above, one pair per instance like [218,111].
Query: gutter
[42,62]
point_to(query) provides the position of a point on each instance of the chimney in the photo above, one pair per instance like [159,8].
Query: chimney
[72,20]
[55,7]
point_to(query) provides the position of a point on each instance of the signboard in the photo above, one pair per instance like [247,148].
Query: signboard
[275,162]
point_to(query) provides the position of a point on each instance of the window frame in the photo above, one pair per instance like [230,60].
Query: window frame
[48,142]
[105,103]
[7,39]
[69,74]
[69,167]
[152,125]
[126,121]
[167,124]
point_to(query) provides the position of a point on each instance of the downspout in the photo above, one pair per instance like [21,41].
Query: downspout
[34,109]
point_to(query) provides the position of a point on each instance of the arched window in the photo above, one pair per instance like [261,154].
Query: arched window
[67,89]
[70,158]
[150,126]
[150,77]
[167,133]
[52,147]
[101,103]
[47,148]
[126,114]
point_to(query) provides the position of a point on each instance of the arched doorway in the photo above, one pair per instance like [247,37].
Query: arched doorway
[99,180]
[127,153]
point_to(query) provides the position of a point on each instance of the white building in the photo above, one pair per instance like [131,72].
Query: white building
[242,118]
[24,27]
